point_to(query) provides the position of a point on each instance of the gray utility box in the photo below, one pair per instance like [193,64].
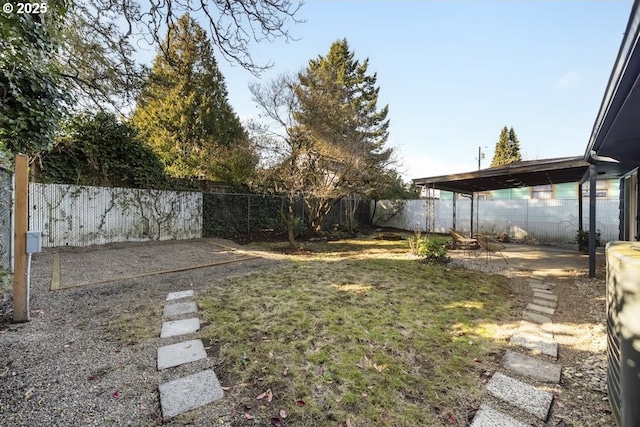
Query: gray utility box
[34,242]
[623,331]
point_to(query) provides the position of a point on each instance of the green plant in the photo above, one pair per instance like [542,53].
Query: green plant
[432,249]
[582,237]
[299,226]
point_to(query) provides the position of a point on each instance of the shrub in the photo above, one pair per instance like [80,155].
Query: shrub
[582,237]
[431,248]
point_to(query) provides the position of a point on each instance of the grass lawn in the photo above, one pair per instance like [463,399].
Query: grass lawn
[355,333]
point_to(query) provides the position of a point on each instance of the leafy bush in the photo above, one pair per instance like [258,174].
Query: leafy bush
[582,237]
[99,149]
[299,227]
[431,248]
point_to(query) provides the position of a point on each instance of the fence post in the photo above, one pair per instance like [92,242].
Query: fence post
[248,214]
[20,295]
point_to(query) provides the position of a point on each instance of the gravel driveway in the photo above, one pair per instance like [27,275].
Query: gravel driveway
[65,368]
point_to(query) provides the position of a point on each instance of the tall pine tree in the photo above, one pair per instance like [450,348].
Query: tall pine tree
[184,114]
[347,133]
[507,148]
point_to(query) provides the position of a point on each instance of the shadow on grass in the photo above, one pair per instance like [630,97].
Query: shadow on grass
[377,341]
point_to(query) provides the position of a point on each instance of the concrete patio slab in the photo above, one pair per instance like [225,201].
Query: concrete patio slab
[520,395]
[541,309]
[489,417]
[179,327]
[179,295]
[180,353]
[531,367]
[535,317]
[179,309]
[194,391]
[536,343]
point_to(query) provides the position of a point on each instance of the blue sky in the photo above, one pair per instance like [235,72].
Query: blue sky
[455,72]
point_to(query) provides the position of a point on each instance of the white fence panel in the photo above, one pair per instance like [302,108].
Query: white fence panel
[70,215]
[554,220]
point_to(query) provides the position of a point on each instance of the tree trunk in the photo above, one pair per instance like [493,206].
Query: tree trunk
[290,220]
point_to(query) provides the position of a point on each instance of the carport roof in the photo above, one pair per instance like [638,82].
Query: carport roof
[518,174]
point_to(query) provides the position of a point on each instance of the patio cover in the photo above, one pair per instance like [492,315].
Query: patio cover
[518,174]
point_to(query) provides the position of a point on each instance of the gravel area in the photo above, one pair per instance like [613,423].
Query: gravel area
[579,327]
[66,368]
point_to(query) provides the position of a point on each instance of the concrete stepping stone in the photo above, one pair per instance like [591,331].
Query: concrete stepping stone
[544,302]
[531,367]
[544,295]
[194,391]
[179,327]
[534,280]
[180,353]
[535,317]
[489,417]
[520,395]
[540,287]
[544,330]
[535,343]
[541,309]
[180,308]
[179,295]
[542,291]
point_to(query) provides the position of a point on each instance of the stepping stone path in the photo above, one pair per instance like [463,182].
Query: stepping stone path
[193,391]
[533,357]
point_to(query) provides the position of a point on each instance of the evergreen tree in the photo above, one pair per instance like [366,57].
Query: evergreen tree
[347,133]
[507,148]
[184,114]
[514,146]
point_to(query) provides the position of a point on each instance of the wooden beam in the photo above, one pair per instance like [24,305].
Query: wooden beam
[21,220]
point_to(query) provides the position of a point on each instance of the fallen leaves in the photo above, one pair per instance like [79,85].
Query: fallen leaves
[300,403]
[268,394]
[116,394]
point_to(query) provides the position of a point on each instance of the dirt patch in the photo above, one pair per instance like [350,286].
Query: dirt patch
[96,264]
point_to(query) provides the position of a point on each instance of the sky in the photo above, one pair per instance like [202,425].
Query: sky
[454,73]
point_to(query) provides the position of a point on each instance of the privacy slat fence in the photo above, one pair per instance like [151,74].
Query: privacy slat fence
[70,215]
[546,220]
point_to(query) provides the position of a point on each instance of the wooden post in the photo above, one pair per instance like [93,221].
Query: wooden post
[21,215]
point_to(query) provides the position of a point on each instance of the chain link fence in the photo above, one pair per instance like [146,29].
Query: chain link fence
[230,215]
[6,205]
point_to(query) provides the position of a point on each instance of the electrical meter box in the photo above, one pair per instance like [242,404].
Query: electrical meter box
[34,242]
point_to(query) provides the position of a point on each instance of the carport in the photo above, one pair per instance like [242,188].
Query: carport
[522,174]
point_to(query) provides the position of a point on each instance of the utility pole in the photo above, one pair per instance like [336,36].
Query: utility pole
[480,156]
